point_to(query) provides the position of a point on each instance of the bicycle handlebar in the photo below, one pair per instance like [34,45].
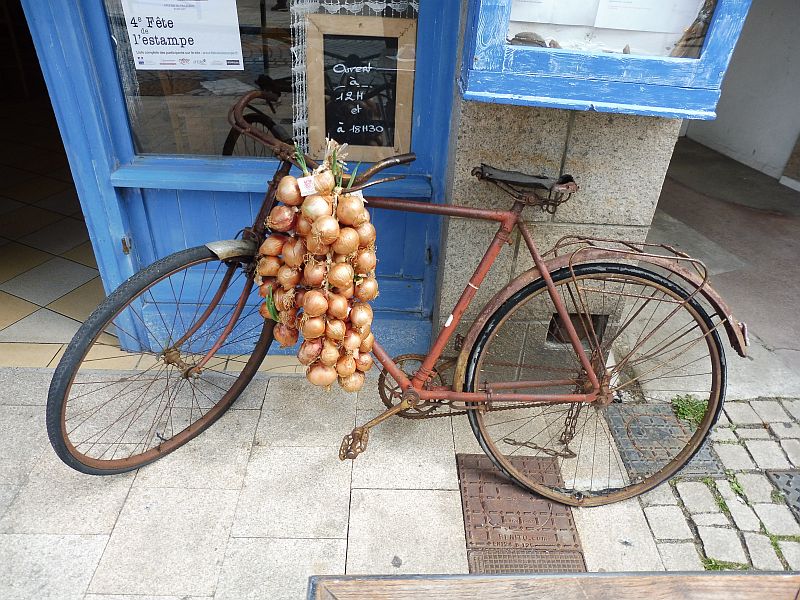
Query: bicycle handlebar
[286,152]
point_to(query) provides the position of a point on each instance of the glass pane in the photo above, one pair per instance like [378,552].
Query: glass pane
[181,70]
[645,27]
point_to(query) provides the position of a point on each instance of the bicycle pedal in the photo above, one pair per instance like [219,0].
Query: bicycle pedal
[354,443]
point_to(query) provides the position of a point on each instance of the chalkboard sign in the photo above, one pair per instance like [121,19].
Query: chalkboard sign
[360,84]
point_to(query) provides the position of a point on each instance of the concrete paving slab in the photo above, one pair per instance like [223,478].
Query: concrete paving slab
[734,457]
[785,430]
[141,597]
[697,497]
[24,387]
[294,493]
[767,454]
[743,516]
[23,438]
[723,434]
[762,554]
[711,520]
[216,459]
[793,407]
[777,519]
[252,397]
[792,450]
[147,552]
[761,374]
[659,495]
[680,557]
[48,566]
[668,523]
[616,537]
[770,411]
[7,493]
[722,544]
[759,433]
[409,454]
[791,552]
[741,413]
[296,413]
[276,569]
[463,436]
[386,537]
[59,500]
[756,487]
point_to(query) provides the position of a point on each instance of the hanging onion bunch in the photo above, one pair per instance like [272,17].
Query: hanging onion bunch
[317,273]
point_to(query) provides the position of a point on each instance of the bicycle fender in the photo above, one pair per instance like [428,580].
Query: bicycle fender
[737,331]
[224,249]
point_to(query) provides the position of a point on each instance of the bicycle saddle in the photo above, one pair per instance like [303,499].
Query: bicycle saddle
[565,183]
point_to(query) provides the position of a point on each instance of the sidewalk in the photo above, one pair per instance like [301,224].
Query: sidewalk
[261,501]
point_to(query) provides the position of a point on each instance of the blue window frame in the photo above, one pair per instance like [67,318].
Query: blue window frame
[495,71]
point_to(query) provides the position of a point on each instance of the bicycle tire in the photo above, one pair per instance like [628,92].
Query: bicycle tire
[479,418]
[259,150]
[91,332]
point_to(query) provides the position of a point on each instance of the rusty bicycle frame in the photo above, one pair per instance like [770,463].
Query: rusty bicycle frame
[417,389]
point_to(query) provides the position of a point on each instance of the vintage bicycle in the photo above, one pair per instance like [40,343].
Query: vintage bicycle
[593,376]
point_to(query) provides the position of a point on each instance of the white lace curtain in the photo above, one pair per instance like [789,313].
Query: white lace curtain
[299,9]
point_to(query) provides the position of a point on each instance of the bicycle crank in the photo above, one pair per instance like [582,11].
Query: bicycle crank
[355,442]
[391,393]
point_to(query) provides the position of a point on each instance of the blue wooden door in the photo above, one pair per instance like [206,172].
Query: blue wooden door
[159,204]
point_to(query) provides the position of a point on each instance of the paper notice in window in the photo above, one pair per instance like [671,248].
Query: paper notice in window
[662,16]
[175,35]
[555,12]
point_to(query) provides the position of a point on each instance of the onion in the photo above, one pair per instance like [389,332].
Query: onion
[337,306]
[346,292]
[335,330]
[268,266]
[316,247]
[341,275]
[288,317]
[366,235]
[364,362]
[312,327]
[330,353]
[347,242]
[315,207]
[284,335]
[352,383]
[281,218]
[293,252]
[361,315]
[314,273]
[299,296]
[273,245]
[266,284]
[324,182]
[288,277]
[303,227]
[315,304]
[366,330]
[263,310]
[350,210]
[367,290]
[346,366]
[289,191]
[352,341]
[325,229]
[365,261]
[309,351]
[367,343]
[340,258]
[321,375]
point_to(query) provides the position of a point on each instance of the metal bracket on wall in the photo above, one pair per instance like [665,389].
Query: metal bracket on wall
[126,245]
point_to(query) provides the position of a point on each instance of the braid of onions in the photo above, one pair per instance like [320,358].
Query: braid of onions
[316,272]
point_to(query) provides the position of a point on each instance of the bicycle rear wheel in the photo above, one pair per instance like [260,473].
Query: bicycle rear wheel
[661,366]
[126,392]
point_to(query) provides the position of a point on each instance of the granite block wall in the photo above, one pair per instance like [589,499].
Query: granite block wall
[619,161]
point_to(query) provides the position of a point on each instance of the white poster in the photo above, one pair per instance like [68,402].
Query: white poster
[555,12]
[664,16]
[184,34]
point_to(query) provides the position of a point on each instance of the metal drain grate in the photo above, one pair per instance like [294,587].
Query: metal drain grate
[496,561]
[788,482]
[648,436]
[499,514]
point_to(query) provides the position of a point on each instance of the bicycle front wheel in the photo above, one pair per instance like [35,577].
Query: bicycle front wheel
[657,355]
[129,388]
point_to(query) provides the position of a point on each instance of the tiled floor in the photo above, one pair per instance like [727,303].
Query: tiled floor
[49,280]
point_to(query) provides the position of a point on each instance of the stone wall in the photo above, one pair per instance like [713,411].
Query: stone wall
[619,162]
